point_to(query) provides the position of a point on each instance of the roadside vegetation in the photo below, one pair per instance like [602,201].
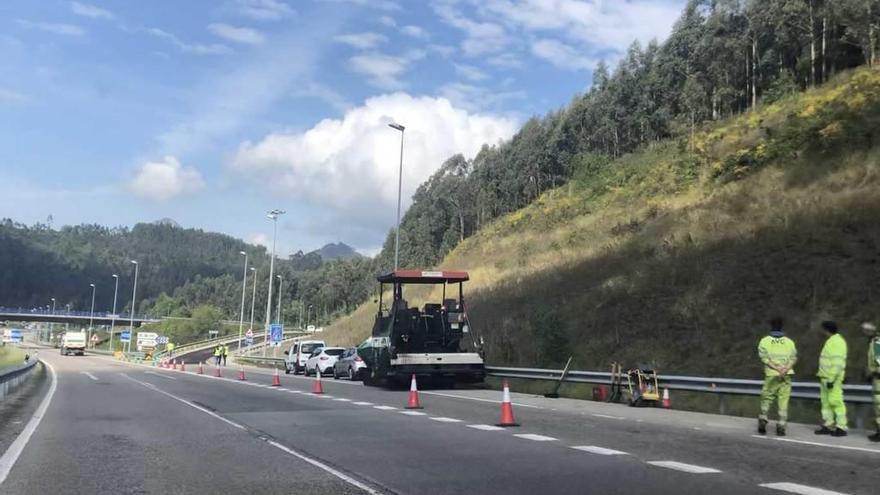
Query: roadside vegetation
[10,356]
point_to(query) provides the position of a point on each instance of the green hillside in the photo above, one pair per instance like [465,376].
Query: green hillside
[679,253]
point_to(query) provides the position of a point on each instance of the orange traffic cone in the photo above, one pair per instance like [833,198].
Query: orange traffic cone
[317,388]
[506,408]
[201,369]
[217,370]
[276,379]
[241,373]
[174,365]
[665,403]
[413,395]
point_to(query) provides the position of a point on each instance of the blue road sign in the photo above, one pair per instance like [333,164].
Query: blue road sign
[125,336]
[249,340]
[276,333]
[161,339]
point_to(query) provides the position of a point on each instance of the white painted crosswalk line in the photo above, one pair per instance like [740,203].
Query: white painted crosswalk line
[486,427]
[446,420]
[536,438]
[687,468]
[599,450]
[799,489]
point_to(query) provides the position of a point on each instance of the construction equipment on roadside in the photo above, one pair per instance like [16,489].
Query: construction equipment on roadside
[616,383]
[276,379]
[317,388]
[507,419]
[555,393]
[643,387]
[413,402]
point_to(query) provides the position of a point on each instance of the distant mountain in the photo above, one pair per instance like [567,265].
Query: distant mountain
[338,250]
[167,221]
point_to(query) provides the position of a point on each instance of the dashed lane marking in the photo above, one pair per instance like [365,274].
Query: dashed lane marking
[93,377]
[517,404]
[384,408]
[7,460]
[362,403]
[159,374]
[413,413]
[486,427]
[607,416]
[323,396]
[534,437]
[819,444]
[687,468]
[445,420]
[799,489]
[599,450]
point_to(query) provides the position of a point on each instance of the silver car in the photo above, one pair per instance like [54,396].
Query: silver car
[350,365]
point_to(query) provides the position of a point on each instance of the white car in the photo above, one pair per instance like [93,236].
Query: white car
[299,352]
[323,359]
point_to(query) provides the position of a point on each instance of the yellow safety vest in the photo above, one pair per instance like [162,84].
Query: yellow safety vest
[874,355]
[217,351]
[777,352]
[832,359]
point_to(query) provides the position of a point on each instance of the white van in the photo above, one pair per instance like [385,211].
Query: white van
[296,356]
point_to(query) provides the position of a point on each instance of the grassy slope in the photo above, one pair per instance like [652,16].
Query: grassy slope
[678,254]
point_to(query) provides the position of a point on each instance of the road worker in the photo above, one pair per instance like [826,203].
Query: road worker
[218,353]
[778,353]
[832,370]
[224,353]
[874,372]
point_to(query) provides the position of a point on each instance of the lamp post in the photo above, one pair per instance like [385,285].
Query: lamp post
[133,299]
[280,285]
[243,290]
[52,324]
[91,313]
[113,316]
[253,297]
[309,315]
[399,187]
[272,215]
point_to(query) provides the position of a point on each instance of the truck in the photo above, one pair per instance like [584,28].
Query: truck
[74,342]
[434,341]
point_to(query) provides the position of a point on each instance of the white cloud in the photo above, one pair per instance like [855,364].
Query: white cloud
[165,179]
[476,98]
[194,48]
[480,37]
[87,10]
[260,240]
[235,34]
[385,71]
[562,55]
[10,96]
[323,93]
[505,61]
[349,165]
[415,32]
[362,41]
[376,4]
[263,10]
[51,27]
[470,72]
[387,21]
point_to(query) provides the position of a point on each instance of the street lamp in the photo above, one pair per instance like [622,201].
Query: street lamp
[133,298]
[243,290]
[280,285]
[399,187]
[272,215]
[253,298]
[52,324]
[113,316]
[91,312]
[309,315]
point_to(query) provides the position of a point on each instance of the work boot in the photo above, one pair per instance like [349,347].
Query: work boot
[824,430]
[875,437]
[838,433]
[762,426]
[780,430]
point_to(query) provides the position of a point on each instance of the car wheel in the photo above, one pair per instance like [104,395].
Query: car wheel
[286,370]
[351,374]
[335,374]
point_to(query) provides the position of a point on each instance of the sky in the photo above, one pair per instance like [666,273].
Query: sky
[212,112]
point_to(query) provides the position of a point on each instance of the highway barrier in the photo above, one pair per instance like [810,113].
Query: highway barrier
[11,378]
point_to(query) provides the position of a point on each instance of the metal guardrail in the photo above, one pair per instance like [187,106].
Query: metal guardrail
[857,394]
[261,360]
[12,378]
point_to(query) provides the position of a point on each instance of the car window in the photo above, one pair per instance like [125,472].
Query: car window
[334,352]
[308,348]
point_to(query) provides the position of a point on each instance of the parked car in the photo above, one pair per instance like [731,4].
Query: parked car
[295,357]
[323,359]
[350,365]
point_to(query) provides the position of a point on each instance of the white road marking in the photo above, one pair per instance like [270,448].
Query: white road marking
[819,444]
[599,450]
[384,408]
[445,420]
[413,413]
[294,392]
[517,404]
[344,477]
[607,416]
[17,447]
[536,438]
[486,427]
[362,403]
[93,377]
[159,374]
[680,466]
[342,399]
[322,396]
[800,489]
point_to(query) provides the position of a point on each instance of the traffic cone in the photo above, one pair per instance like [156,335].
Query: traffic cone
[317,388]
[183,366]
[276,379]
[201,369]
[241,373]
[506,408]
[665,403]
[413,395]
[217,370]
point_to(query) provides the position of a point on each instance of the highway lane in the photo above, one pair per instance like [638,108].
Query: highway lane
[452,447]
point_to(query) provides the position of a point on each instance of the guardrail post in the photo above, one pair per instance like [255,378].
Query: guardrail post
[722,403]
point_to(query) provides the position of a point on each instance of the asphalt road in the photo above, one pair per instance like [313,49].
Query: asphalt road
[120,428]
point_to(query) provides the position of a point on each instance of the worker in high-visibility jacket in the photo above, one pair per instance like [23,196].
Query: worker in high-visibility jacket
[218,354]
[832,369]
[874,372]
[779,355]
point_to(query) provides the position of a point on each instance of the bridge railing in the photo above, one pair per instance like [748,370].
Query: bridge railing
[6,310]
[11,378]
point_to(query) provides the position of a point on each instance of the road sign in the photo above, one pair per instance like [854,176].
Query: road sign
[249,337]
[125,336]
[94,338]
[147,339]
[276,334]
[161,339]
[249,333]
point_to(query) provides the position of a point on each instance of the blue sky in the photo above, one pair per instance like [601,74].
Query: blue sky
[211,112]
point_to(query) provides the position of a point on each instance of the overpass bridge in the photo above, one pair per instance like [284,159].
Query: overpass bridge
[75,317]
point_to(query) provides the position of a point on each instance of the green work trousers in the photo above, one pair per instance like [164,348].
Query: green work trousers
[833,407]
[877,402]
[776,388]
